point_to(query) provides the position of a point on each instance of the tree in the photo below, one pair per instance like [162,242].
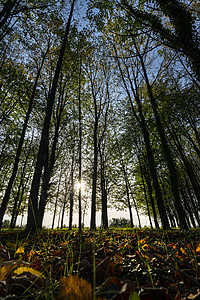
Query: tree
[120,223]
[19,149]
[43,149]
[181,34]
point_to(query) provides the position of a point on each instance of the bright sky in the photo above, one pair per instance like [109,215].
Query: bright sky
[111,214]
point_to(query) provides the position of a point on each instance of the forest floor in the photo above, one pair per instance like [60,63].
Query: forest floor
[129,264]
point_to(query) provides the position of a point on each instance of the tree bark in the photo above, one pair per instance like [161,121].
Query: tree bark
[166,150]
[32,221]
[103,191]
[71,194]
[20,145]
[150,157]
[48,167]
[80,148]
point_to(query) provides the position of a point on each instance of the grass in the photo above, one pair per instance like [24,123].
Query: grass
[114,262]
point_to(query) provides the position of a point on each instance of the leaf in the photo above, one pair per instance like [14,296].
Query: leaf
[134,296]
[198,248]
[20,250]
[74,288]
[183,251]
[21,270]
[7,267]
[103,268]
[111,288]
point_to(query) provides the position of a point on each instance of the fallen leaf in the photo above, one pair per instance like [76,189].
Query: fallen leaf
[74,288]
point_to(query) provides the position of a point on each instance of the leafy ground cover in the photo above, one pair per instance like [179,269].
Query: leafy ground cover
[113,264]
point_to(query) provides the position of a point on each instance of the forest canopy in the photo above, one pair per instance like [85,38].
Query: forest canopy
[99,109]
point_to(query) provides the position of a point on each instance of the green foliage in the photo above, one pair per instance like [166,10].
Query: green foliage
[119,223]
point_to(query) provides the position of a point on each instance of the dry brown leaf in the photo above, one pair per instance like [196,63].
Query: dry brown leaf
[74,288]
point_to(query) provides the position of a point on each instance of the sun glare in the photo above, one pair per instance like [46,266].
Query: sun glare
[79,185]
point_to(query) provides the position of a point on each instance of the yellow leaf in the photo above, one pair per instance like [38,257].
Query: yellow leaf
[198,248]
[31,255]
[183,251]
[7,267]
[21,270]
[20,250]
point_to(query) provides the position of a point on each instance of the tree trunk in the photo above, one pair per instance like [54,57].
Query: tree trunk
[188,167]
[194,205]
[148,182]
[173,176]
[150,157]
[145,193]
[14,212]
[80,149]
[94,179]
[126,181]
[32,221]
[71,195]
[56,202]
[48,169]
[20,145]
[103,191]
[136,209]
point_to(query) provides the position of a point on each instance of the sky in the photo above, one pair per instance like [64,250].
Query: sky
[111,214]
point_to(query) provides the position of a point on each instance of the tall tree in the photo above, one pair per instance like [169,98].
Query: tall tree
[43,148]
[20,145]
[165,147]
[141,120]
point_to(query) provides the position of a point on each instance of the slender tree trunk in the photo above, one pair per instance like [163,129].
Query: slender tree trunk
[153,172]
[65,200]
[135,205]
[194,205]
[48,169]
[148,182]
[94,181]
[145,193]
[14,212]
[95,161]
[103,191]
[126,182]
[59,216]
[187,205]
[188,167]
[171,217]
[71,195]
[56,202]
[166,150]
[43,148]
[63,211]
[80,149]
[19,203]
[20,145]
[150,157]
